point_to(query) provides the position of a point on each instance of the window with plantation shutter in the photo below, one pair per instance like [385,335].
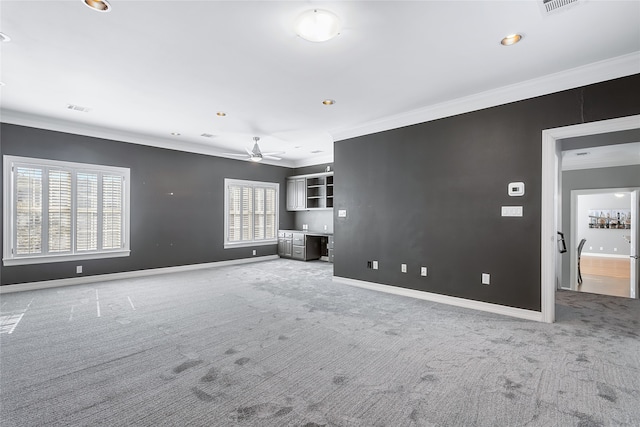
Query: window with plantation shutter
[60,211]
[251,213]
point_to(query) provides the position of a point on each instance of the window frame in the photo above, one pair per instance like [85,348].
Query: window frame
[9,255]
[228,182]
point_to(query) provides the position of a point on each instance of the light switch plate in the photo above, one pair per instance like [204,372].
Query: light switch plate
[342,213]
[512,211]
[375,265]
[486,278]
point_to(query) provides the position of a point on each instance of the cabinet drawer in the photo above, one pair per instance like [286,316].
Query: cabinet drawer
[298,253]
[298,239]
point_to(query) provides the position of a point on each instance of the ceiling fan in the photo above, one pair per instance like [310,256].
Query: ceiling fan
[255,155]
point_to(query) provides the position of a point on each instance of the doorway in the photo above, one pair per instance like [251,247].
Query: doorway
[602,223]
[551,200]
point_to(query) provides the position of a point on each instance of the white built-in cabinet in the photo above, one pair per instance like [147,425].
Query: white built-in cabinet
[309,192]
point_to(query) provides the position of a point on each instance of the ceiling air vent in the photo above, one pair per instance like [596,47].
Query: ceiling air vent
[207,135]
[549,6]
[78,108]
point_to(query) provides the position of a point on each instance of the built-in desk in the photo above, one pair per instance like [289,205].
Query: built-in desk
[305,245]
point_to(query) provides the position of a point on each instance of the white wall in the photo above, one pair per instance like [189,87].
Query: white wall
[601,241]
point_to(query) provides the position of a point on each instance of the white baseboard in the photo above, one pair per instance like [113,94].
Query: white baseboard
[604,255]
[445,299]
[126,275]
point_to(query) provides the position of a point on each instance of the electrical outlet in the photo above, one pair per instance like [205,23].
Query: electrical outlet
[78,269]
[254,252]
[375,265]
[601,248]
[486,278]
[423,271]
[325,227]
[403,268]
[615,249]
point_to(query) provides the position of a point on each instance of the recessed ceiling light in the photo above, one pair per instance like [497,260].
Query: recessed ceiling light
[329,101]
[4,38]
[98,5]
[221,114]
[317,25]
[511,39]
[175,133]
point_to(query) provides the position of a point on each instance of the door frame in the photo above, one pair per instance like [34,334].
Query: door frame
[551,193]
[573,225]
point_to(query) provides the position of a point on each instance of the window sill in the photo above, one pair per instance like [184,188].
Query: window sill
[249,244]
[63,258]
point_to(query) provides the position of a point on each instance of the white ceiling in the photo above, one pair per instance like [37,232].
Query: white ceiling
[150,68]
[601,157]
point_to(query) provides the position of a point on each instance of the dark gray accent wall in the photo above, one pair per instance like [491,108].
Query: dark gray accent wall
[430,195]
[586,179]
[166,230]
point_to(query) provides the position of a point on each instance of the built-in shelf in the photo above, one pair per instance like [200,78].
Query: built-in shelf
[307,192]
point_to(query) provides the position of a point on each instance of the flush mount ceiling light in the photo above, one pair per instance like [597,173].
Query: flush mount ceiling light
[329,101]
[317,25]
[98,5]
[511,39]
[4,38]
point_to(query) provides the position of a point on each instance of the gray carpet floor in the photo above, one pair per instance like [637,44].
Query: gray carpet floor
[278,343]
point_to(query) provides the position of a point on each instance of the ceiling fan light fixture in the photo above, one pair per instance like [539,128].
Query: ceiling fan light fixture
[317,25]
[511,39]
[256,158]
[98,5]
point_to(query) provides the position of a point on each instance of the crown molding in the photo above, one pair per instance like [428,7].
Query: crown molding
[596,72]
[75,128]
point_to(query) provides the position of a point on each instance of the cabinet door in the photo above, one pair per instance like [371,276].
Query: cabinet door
[296,194]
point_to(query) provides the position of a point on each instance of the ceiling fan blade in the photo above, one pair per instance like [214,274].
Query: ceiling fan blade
[264,156]
[273,153]
[249,152]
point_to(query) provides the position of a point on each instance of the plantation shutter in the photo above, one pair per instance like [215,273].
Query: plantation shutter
[29,210]
[247,212]
[235,209]
[259,213]
[59,209]
[112,211]
[87,211]
[270,213]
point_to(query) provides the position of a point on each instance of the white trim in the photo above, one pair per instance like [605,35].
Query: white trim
[551,164]
[609,69]
[444,299]
[45,259]
[253,185]
[128,274]
[595,254]
[9,215]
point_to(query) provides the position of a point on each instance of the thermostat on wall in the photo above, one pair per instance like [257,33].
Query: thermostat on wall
[516,188]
